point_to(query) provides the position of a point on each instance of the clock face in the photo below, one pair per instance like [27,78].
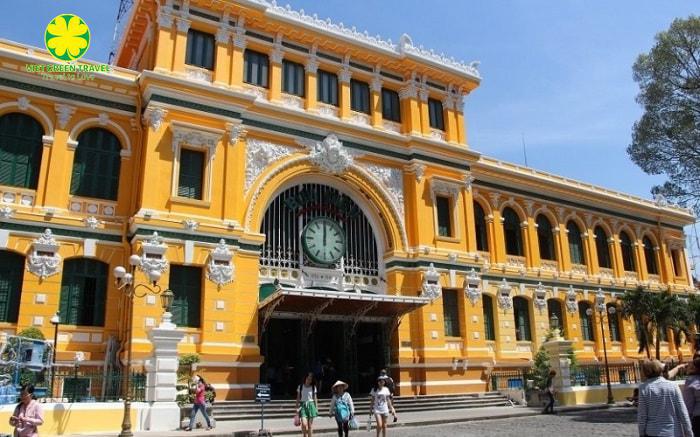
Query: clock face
[323,241]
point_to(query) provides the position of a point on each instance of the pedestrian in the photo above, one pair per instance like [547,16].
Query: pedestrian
[381,405]
[28,414]
[307,400]
[661,410]
[549,390]
[199,403]
[691,394]
[342,408]
[389,381]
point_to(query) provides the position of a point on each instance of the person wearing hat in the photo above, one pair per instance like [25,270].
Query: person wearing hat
[389,381]
[342,408]
[381,404]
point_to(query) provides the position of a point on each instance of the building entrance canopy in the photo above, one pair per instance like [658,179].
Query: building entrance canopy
[330,305]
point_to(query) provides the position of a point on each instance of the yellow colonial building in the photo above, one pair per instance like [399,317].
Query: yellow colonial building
[310,195]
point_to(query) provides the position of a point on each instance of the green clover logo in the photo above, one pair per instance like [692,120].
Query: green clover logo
[67,37]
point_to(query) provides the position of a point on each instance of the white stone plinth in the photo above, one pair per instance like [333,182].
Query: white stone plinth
[558,350]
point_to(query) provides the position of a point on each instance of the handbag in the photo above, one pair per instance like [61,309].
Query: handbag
[297,420]
[353,424]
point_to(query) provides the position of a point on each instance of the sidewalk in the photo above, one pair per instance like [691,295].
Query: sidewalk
[277,427]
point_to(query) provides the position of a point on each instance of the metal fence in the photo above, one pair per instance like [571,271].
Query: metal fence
[93,385]
[504,379]
[595,374]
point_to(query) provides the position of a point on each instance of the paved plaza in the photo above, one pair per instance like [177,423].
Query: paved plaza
[613,422]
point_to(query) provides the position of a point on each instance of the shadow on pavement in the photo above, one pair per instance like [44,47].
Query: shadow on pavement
[613,415]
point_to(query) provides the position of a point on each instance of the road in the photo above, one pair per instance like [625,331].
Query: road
[616,422]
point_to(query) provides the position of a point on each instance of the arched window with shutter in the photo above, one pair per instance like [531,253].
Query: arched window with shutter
[96,165]
[20,150]
[482,241]
[627,252]
[650,256]
[521,314]
[586,321]
[83,292]
[575,243]
[489,326]
[512,233]
[545,238]
[11,281]
[601,247]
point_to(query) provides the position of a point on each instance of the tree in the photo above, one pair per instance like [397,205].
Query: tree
[656,313]
[540,369]
[666,140]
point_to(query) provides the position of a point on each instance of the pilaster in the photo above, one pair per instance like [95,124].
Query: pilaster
[344,77]
[222,69]
[376,101]
[183,25]
[311,81]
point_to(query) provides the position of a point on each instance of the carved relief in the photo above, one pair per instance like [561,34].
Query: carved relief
[431,284]
[259,154]
[220,270]
[44,261]
[329,155]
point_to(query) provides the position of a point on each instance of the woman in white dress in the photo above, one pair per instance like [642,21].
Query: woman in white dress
[380,401]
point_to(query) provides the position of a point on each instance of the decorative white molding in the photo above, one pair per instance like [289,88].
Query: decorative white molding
[571,305]
[223,34]
[292,101]
[391,126]
[325,110]
[344,75]
[256,91]
[329,155]
[375,84]
[431,287]
[409,91]
[260,154]
[23,103]
[153,255]
[198,74]
[183,25]
[6,212]
[92,206]
[219,269]
[103,119]
[392,180]
[192,136]
[239,38]
[504,300]
[190,225]
[44,261]
[64,114]
[540,297]
[153,117]
[445,187]
[418,169]
[437,134]
[236,131]
[468,181]
[472,286]
[92,222]
[359,118]
[312,63]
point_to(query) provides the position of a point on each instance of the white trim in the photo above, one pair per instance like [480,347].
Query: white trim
[343,295]
[101,123]
[31,109]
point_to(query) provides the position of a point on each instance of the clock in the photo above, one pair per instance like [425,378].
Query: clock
[323,241]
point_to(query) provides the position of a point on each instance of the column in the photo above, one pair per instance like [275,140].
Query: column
[222,69]
[424,112]
[163,413]
[593,264]
[498,248]
[57,174]
[234,173]
[558,350]
[639,263]
[164,42]
[344,77]
[376,100]
[558,252]
[183,26]
[470,230]
[410,115]
[532,256]
[276,58]
[666,264]
[239,45]
[589,250]
[450,116]
[461,123]
[524,227]
[311,84]
[616,253]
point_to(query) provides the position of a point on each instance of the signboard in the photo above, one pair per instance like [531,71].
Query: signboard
[263,393]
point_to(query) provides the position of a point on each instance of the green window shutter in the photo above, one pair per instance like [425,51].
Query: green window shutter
[522,319]
[444,216]
[256,67]
[450,312]
[83,292]
[487,303]
[327,87]
[21,148]
[11,281]
[391,105]
[435,114]
[200,49]
[191,174]
[359,96]
[96,165]
[293,78]
[186,284]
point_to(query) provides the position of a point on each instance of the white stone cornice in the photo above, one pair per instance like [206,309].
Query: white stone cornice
[312,64]
[376,82]
[277,54]
[409,91]
[344,75]
[235,131]
[418,169]
[194,136]
[445,187]
[183,25]
[223,34]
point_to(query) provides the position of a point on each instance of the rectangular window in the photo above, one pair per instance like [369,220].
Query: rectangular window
[200,49]
[391,105]
[327,88]
[435,114]
[293,78]
[489,331]
[676,259]
[256,67]
[359,96]
[444,216]
[191,178]
[450,312]
[186,284]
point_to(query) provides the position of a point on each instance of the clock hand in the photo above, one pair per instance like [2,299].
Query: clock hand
[324,234]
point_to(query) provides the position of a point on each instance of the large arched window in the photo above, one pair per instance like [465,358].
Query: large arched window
[650,256]
[96,165]
[545,238]
[482,242]
[83,292]
[575,243]
[20,150]
[521,312]
[554,309]
[586,320]
[489,325]
[601,247]
[613,322]
[627,252]
[512,233]
[11,276]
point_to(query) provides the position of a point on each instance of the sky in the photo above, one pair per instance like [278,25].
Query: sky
[556,75]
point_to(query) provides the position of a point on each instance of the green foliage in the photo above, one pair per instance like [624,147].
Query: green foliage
[32,332]
[665,140]
[573,362]
[655,313]
[540,369]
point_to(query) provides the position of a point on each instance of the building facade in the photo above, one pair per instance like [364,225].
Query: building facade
[309,194]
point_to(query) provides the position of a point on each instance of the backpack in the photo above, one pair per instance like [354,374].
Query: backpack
[342,409]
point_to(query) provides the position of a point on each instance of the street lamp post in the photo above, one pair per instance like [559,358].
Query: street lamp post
[55,321]
[125,282]
[600,307]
